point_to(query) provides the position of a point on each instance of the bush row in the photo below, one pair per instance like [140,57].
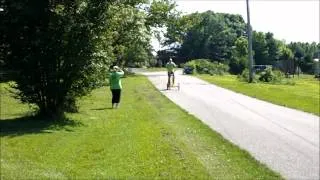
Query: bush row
[205,66]
[267,76]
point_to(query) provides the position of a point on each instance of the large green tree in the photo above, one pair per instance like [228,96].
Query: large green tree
[239,59]
[304,53]
[51,46]
[213,36]
[286,56]
[131,27]
[61,50]
[260,48]
[205,35]
[273,48]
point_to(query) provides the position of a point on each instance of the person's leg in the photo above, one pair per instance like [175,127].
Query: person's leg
[172,74]
[113,101]
[117,97]
[168,84]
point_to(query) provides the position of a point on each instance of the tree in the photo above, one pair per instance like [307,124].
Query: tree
[61,50]
[206,35]
[287,56]
[131,27]
[178,27]
[260,48]
[273,47]
[159,12]
[128,33]
[307,64]
[239,59]
[304,53]
[51,47]
[298,54]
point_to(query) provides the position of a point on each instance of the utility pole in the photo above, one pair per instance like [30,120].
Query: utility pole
[249,29]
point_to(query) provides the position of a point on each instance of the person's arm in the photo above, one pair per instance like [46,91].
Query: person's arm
[120,72]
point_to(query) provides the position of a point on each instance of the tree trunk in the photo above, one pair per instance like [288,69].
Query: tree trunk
[50,110]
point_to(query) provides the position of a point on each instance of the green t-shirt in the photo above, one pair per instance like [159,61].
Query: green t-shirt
[115,80]
[170,66]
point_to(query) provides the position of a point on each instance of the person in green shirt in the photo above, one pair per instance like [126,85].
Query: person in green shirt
[115,85]
[170,68]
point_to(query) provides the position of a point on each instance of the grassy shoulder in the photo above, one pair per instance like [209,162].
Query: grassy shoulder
[147,137]
[304,95]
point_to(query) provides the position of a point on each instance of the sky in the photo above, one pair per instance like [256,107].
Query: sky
[289,20]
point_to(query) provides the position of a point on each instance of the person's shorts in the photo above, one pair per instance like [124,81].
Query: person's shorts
[116,94]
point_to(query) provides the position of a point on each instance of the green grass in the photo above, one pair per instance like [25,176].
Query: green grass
[304,95]
[148,137]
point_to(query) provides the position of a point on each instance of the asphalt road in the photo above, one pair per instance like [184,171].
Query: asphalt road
[286,140]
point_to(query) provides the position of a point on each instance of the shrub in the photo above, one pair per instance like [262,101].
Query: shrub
[271,76]
[204,66]
[278,76]
[267,76]
[237,65]
[244,76]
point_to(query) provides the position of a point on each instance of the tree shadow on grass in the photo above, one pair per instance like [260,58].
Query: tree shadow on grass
[34,124]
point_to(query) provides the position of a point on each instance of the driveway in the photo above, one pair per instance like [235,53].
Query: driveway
[285,139]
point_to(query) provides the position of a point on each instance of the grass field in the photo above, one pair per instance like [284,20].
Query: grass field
[304,95]
[148,137]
